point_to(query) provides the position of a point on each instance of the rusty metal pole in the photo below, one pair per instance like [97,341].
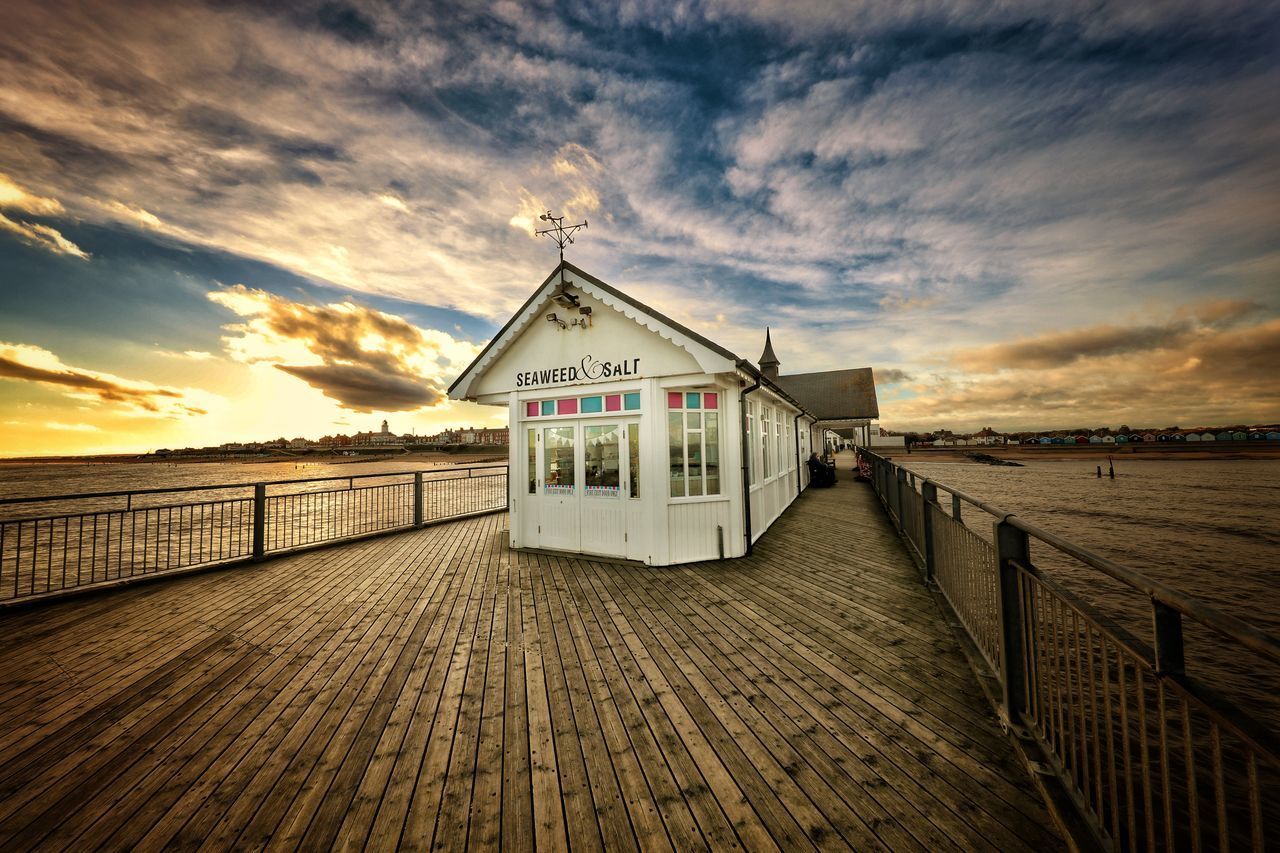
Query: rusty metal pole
[1170,657]
[1012,549]
[259,520]
[928,500]
[417,499]
[955,507]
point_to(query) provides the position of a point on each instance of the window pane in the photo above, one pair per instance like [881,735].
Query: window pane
[693,439]
[613,402]
[675,444]
[533,460]
[633,435]
[591,405]
[674,399]
[765,467]
[548,407]
[601,448]
[709,401]
[567,407]
[557,448]
[712,465]
[694,420]
[631,402]
[692,400]
[531,409]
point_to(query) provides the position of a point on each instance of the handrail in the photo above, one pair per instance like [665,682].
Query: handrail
[1148,754]
[82,545]
[248,485]
[1230,626]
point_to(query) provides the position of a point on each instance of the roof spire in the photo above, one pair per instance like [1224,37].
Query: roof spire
[768,361]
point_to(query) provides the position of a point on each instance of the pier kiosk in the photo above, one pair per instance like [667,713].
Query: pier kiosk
[633,436]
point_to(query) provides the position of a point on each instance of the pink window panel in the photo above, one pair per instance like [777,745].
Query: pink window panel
[709,401]
[675,400]
[567,407]
[531,410]
[613,402]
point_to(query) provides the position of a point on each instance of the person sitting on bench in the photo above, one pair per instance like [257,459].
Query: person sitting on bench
[820,473]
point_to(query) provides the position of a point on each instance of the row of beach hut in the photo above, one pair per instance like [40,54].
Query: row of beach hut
[1148,437]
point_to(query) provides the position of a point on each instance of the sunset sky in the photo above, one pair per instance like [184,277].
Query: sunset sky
[237,221]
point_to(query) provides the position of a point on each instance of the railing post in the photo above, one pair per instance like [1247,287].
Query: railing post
[417,499]
[955,507]
[1170,659]
[928,498]
[1012,546]
[259,520]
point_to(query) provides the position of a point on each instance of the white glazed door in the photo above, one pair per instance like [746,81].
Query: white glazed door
[604,465]
[560,475]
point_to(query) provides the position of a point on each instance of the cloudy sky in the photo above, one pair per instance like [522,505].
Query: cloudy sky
[243,220]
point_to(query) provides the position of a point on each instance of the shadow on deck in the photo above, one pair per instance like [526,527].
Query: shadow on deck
[435,688]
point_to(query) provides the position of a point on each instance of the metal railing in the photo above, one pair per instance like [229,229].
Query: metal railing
[73,541]
[1152,757]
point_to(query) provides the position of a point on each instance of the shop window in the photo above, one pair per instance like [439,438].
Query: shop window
[781,449]
[693,441]
[765,447]
[602,447]
[558,468]
[533,461]
[633,443]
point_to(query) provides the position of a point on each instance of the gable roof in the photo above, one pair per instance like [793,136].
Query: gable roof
[657,321]
[833,395]
[700,347]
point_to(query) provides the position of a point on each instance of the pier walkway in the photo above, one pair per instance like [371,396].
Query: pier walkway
[435,689]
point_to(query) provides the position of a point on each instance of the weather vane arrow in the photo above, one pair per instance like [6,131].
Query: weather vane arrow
[562,234]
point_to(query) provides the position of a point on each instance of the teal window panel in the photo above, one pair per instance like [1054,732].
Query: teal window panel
[592,404]
[631,402]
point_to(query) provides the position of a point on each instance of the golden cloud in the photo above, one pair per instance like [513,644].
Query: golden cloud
[1178,372]
[1059,348]
[24,362]
[366,360]
[15,197]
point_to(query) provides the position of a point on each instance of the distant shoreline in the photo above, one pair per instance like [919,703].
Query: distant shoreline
[1095,454]
[478,455]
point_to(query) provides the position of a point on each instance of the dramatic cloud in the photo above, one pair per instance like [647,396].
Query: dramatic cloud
[14,197]
[1064,348]
[944,188]
[1206,375]
[34,364]
[364,359]
[891,376]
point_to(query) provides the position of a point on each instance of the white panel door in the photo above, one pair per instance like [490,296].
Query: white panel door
[604,460]
[558,516]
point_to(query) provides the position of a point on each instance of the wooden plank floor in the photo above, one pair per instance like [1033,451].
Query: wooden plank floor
[435,690]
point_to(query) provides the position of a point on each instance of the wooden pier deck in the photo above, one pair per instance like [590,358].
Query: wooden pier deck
[435,689]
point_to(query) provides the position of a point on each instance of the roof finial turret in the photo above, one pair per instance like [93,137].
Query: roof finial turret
[768,361]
